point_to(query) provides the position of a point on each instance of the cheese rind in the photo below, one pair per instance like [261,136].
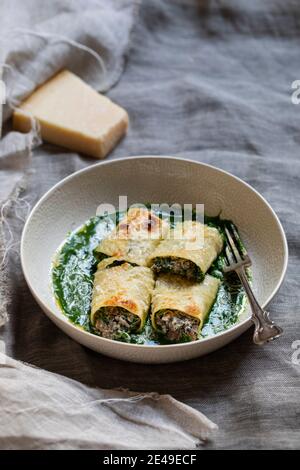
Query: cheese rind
[73,115]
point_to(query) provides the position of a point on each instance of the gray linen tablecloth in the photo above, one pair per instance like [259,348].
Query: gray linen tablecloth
[210,81]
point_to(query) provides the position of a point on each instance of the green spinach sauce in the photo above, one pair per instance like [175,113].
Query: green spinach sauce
[76,262]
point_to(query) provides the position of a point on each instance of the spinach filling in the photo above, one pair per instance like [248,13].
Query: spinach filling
[99,256]
[119,262]
[116,323]
[176,327]
[180,266]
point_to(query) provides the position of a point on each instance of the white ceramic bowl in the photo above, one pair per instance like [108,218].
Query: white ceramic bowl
[152,179]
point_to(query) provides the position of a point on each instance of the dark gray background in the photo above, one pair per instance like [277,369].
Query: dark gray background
[211,81]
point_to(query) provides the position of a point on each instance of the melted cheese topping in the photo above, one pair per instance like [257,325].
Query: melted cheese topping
[174,293]
[126,286]
[136,236]
[192,241]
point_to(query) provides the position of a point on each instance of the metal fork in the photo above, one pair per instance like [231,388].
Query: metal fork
[238,260]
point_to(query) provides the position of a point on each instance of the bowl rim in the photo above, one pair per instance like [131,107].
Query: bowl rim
[88,335]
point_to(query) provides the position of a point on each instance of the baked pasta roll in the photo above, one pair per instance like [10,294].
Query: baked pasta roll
[135,237]
[179,306]
[121,298]
[188,251]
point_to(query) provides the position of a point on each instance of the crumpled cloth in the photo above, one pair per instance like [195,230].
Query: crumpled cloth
[210,81]
[42,410]
[90,38]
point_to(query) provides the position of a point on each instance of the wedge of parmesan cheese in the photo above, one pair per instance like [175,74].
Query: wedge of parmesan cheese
[73,115]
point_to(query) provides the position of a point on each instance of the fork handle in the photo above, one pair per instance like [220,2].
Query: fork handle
[265,329]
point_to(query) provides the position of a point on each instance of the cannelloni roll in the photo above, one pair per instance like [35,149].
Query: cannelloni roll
[121,298]
[188,251]
[179,306]
[135,237]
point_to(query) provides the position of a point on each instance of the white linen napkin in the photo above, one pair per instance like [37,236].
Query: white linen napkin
[42,410]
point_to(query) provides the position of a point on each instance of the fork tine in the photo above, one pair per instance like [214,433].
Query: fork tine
[229,256]
[238,240]
[232,245]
